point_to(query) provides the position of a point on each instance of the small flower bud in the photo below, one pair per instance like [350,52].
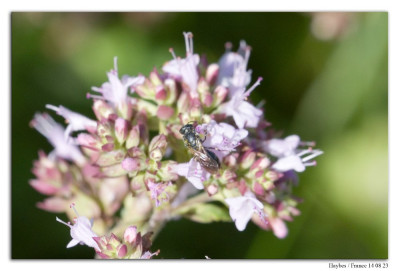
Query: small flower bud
[158,142]
[183,103]
[165,112]
[212,190]
[219,95]
[122,250]
[121,129]
[102,110]
[131,164]
[133,138]
[155,78]
[130,234]
[261,164]
[212,73]
[247,159]
[161,93]
[172,92]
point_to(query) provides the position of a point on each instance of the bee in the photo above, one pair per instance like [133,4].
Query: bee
[207,159]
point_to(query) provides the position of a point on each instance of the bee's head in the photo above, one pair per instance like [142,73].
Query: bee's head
[186,129]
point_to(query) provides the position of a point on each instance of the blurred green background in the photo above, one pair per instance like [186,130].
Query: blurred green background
[325,79]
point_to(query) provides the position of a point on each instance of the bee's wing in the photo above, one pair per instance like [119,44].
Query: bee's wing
[207,162]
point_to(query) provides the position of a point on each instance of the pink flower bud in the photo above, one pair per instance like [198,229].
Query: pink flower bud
[165,112]
[212,73]
[131,164]
[130,234]
[219,95]
[122,250]
[121,129]
[161,93]
[171,91]
[261,163]
[247,159]
[183,103]
[102,110]
[133,138]
[212,189]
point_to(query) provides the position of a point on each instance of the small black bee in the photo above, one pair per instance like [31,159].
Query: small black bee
[207,159]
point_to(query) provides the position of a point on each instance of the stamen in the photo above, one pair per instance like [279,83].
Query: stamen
[314,153]
[115,65]
[66,224]
[171,50]
[73,207]
[188,42]
[228,46]
[307,143]
[257,83]
[53,107]
[89,95]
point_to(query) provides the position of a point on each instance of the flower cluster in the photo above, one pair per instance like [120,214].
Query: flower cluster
[130,166]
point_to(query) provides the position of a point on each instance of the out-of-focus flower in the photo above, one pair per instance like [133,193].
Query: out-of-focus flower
[241,209]
[290,158]
[81,231]
[54,132]
[76,121]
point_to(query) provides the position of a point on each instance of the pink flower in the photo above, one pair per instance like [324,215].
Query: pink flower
[221,138]
[193,172]
[76,121]
[244,113]
[81,231]
[241,209]
[54,132]
[185,68]
[290,158]
[116,91]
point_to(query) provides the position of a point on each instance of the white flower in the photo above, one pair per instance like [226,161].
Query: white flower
[76,121]
[221,138]
[289,157]
[244,113]
[116,91]
[81,231]
[232,69]
[242,208]
[193,172]
[185,68]
[54,132]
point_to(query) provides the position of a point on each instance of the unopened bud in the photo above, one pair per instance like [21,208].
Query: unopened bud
[212,73]
[102,110]
[247,159]
[121,129]
[131,164]
[165,112]
[130,234]
[133,138]
[220,94]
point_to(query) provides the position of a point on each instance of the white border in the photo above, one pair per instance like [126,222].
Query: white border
[204,5]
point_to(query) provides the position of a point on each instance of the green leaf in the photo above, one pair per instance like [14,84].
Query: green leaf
[206,213]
